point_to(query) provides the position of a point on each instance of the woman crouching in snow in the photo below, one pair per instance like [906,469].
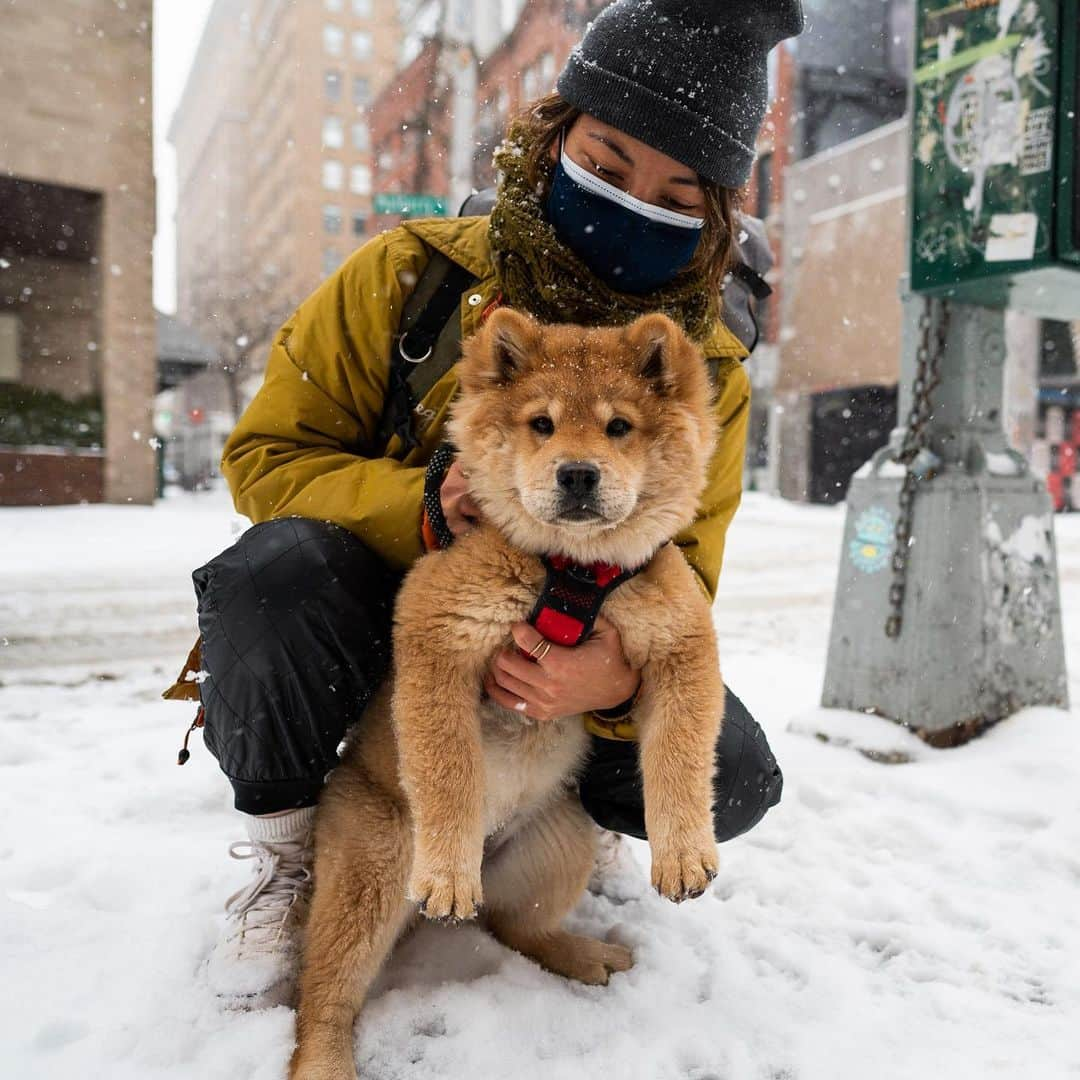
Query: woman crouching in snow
[616,199]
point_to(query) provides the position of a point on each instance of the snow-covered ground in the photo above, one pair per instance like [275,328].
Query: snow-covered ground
[887,921]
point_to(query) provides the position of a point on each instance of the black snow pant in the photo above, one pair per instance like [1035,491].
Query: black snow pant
[295,620]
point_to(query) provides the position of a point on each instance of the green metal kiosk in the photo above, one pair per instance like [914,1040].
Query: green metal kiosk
[947,614]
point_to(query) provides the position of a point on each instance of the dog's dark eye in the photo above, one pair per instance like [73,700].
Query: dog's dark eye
[618,427]
[542,425]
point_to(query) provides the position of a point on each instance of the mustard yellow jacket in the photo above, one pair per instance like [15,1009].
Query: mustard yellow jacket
[308,443]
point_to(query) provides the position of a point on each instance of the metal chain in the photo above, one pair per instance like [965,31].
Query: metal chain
[914,453]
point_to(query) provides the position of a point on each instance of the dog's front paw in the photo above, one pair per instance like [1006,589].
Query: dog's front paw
[682,871]
[448,894]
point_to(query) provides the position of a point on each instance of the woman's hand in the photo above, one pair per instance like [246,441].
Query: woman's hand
[458,508]
[568,681]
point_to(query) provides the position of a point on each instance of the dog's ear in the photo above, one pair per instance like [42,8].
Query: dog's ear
[658,350]
[663,355]
[512,338]
[500,351]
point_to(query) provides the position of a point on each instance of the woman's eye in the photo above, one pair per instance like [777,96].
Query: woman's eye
[542,425]
[606,173]
[618,427]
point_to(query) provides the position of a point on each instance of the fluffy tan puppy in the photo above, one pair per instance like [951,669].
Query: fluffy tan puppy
[587,443]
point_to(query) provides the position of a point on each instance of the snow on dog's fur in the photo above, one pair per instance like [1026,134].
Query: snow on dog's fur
[445,801]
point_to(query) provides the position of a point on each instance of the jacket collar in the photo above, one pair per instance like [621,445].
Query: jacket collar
[465,240]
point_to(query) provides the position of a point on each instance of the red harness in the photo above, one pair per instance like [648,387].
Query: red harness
[572,597]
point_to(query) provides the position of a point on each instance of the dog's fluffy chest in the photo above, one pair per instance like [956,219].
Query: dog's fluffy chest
[525,763]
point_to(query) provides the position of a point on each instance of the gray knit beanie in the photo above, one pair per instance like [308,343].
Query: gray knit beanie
[687,77]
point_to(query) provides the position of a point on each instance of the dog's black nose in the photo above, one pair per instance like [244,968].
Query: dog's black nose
[578,478]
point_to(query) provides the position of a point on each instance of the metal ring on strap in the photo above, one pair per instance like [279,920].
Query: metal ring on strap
[406,356]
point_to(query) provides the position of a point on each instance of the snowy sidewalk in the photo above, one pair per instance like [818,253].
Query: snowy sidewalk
[888,921]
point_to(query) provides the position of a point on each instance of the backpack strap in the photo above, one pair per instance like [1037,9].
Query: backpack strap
[428,344]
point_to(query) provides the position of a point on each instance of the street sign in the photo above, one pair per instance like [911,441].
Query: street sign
[995,184]
[410,205]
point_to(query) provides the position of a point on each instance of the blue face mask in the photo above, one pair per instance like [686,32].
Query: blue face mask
[633,246]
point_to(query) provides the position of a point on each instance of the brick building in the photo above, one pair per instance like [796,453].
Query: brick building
[76,232]
[844,248]
[410,126]
[523,68]
[421,119]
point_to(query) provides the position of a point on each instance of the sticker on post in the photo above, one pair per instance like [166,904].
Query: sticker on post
[1038,150]
[1012,237]
[870,548]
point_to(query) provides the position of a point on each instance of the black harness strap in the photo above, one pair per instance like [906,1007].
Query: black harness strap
[426,347]
[417,342]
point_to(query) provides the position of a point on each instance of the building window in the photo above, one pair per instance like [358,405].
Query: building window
[331,219]
[333,174]
[333,133]
[360,180]
[333,5]
[361,45]
[361,138]
[333,40]
[330,261]
[361,9]
[359,223]
[361,90]
[332,85]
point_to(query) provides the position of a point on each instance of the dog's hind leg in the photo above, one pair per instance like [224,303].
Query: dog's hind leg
[363,846]
[534,880]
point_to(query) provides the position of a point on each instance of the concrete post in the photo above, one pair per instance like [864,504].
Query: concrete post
[1020,409]
[981,635]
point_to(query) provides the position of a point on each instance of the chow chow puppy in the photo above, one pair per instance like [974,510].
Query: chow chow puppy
[590,444]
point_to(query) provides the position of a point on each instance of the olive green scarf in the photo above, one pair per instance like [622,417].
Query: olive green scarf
[541,275]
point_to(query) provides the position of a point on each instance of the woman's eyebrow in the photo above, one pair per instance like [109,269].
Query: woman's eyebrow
[619,152]
[613,146]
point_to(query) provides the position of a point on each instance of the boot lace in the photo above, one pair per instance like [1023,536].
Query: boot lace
[262,907]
